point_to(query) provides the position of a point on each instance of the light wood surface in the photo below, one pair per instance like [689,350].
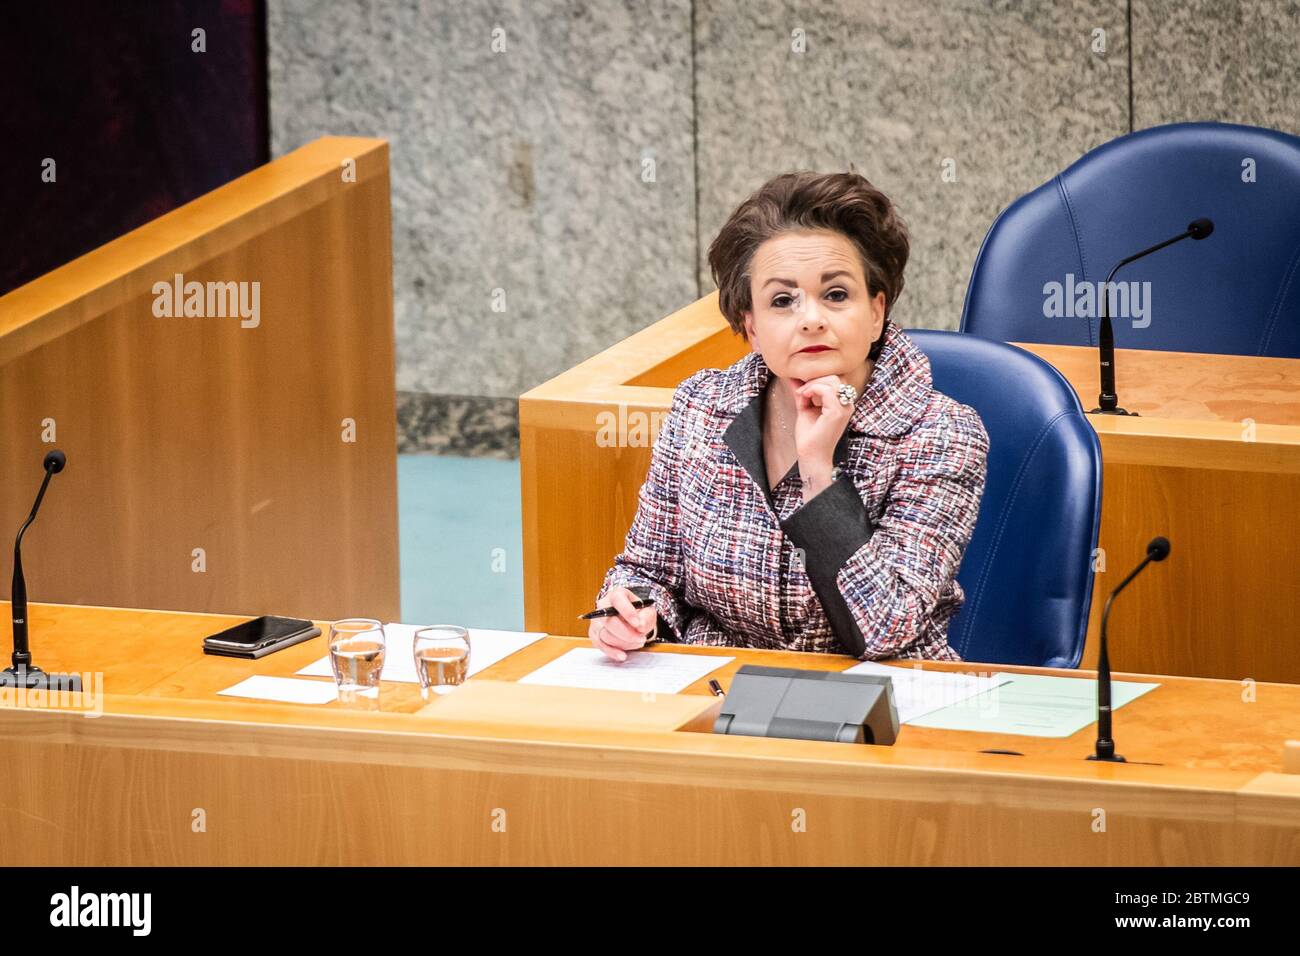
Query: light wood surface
[189,433]
[1190,467]
[482,701]
[394,782]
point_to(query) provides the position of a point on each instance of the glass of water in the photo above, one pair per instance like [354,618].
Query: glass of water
[357,655]
[441,658]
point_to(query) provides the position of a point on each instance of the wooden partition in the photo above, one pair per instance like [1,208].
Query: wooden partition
[225,461]
[1212,463]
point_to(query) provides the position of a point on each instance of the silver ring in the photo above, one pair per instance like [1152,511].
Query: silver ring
[848,394]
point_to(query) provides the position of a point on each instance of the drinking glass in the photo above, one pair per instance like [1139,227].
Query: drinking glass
[441,658]
[357,655]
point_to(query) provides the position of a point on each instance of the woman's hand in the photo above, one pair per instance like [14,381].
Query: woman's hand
[817,429]
[615,636]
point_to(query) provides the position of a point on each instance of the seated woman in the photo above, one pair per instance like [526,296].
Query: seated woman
[818,494]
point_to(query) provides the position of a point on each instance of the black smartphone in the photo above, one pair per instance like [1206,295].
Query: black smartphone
[259,636]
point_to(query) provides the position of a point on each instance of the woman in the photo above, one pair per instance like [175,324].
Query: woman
[818,494]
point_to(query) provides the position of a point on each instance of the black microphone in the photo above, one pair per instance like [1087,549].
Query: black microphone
[1108,401]
[1157,550]
[23,673]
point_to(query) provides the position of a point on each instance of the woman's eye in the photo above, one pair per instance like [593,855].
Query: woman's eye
[781,301]
[841,292]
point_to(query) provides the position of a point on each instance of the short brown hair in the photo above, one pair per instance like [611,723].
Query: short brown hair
[843,202]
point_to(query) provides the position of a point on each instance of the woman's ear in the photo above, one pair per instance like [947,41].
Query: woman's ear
[877,315]
[749,330]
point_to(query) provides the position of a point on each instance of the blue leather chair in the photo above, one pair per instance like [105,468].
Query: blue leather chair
[1236,291]
[1027,571]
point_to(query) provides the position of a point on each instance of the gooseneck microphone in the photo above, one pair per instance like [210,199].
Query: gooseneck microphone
[1157,550]
[1107,400]
[23,673]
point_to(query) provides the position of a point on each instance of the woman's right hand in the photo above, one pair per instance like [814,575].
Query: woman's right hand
[628,631]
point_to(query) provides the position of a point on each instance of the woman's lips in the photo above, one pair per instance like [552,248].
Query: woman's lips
[817,348]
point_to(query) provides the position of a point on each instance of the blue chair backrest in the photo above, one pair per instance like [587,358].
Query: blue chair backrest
[1235,292]
[1027,572]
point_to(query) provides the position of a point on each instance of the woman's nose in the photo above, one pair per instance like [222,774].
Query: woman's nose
[811,317]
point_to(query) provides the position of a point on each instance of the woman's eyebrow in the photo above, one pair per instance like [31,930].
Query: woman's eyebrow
[826,277]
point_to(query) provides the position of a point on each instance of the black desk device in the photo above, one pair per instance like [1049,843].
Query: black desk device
[809,705]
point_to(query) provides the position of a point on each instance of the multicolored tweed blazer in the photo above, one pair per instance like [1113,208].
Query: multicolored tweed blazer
[866,567]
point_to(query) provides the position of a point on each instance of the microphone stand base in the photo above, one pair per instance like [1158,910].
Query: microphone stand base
[1113,411]
[1114,758]
[33,678]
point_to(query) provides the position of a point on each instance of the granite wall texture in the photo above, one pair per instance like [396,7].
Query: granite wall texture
[559,168]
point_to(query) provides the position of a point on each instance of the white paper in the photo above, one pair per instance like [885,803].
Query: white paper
[661,673]
[919,692]
[283,689]
[486,647]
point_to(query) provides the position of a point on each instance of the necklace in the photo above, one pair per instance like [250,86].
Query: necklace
[777,408]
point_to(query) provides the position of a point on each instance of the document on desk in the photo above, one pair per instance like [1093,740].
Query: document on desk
[285,690]
[918,692]
[486,647]
[1033,705]
[659,673]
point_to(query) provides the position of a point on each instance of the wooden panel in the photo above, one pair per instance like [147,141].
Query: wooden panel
[500,702]
[1224,603]
[1212,463]
[187,433]
[582,532]
[476,802]
[300,785]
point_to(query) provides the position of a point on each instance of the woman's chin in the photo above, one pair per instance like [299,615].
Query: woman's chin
[813,364]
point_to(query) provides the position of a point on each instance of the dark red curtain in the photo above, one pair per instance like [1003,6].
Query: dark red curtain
[136,121]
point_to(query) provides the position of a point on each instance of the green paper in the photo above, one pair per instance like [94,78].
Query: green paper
[1032,705]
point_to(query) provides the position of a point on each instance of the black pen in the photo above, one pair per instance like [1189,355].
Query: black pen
[717,689]
[612,611]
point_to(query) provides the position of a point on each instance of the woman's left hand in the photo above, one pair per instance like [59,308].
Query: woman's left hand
[821,421]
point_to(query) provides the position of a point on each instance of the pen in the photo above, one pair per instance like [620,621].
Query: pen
[612,611]
[717,689]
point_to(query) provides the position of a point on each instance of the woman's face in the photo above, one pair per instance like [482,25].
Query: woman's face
[808,288]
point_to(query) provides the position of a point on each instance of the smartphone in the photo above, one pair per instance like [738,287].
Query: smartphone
[259,636]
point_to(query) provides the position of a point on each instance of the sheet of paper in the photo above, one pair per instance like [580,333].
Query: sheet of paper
[286,690]
[1034,705]
[486,647]
[918,692]
[660,673]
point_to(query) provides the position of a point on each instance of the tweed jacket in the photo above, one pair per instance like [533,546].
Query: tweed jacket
[865,567]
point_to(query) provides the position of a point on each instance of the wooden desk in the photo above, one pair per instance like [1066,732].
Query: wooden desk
[1212,462]
[393,783]
[214,466]
[1190,467]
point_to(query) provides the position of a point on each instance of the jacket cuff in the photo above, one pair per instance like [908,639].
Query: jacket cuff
[829,529]
[664,630]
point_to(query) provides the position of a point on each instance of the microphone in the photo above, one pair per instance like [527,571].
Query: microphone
[23,673]
[1108,401]
[1157,550]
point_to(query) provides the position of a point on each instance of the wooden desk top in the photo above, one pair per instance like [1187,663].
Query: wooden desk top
[1237,412]
[1203,734]
[1186,386]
